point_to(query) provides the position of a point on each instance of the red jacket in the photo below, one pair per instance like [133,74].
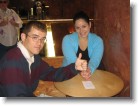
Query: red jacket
[15,79]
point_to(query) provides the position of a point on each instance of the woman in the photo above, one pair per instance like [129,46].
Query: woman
[82,41]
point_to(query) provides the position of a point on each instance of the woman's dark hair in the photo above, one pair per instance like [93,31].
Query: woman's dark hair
[36,24]
[81,15]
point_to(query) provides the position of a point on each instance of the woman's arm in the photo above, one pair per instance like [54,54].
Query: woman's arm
[97,53]
[68,49]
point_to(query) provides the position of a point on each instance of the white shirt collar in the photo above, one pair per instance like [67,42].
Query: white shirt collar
[25,54]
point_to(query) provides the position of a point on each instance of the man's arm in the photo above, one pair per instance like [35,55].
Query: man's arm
[63,73]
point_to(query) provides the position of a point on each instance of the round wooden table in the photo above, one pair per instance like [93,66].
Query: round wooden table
[106,85]
[47,88]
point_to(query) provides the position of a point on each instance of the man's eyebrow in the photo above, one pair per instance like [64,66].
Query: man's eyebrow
[35,35]
[38,35]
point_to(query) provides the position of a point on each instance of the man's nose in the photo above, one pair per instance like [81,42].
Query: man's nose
[39,41]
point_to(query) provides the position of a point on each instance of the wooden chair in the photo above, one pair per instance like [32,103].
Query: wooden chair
[46,87]
[54,61]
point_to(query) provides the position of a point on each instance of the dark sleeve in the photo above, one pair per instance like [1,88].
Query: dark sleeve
[12,80]
[58,74]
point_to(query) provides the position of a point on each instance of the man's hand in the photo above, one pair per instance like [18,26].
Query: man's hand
[80,64]
[3,23]
[86,74]
[12,21]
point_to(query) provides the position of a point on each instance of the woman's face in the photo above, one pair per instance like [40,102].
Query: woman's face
[82,27]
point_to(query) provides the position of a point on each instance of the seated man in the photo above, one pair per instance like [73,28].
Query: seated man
[22,68]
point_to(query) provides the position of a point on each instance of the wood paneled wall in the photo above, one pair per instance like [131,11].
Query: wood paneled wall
[58,8]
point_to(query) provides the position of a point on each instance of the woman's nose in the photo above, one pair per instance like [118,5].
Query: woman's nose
[81,30]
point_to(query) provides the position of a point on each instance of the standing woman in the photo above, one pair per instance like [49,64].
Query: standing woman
[10,23]
[82,41]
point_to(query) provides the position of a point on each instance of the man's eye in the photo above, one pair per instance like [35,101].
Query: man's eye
[43,39]
[35,37]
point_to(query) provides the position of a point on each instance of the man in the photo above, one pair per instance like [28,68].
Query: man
[22,68]
[10,23]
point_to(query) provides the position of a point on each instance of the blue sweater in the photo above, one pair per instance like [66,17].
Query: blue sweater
[15,79]
[70,45]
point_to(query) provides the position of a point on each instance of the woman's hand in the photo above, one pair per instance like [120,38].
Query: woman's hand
[86,74]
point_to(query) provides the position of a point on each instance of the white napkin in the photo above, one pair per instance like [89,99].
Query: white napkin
[88,85]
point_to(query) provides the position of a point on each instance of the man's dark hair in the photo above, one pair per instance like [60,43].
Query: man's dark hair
[36,24]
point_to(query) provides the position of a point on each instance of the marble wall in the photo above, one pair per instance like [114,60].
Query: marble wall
[112,23]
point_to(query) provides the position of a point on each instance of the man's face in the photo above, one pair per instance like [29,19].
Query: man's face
[34,41]
[3,4]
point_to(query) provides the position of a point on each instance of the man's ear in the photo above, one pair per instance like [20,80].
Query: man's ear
[23,37]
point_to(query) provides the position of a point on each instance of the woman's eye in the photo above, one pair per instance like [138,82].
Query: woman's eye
[77,28]
[83,26]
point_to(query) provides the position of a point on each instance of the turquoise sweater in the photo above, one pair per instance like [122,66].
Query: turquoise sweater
[70,45]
